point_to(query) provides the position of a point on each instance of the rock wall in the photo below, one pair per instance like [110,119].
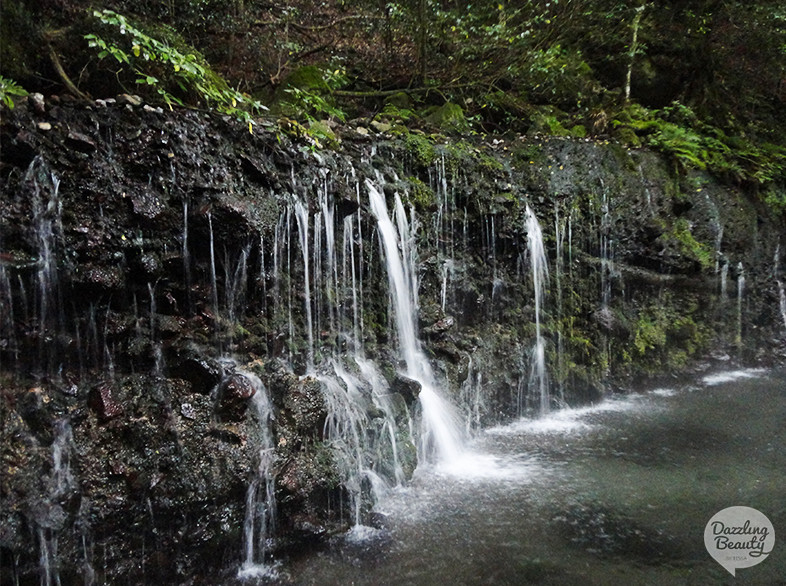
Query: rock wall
[151,261]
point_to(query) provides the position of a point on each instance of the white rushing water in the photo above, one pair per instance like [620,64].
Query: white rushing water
[538,376]
[260,518]
[441,436]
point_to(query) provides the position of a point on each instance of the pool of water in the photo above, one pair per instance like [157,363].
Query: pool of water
[617,493]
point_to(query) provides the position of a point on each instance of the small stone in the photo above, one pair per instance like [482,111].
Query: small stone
[129,99]
[362,131]
[187,410]
[44,126]
[381,126]
[37,100]
[233,395]
[101,401]
[80,142]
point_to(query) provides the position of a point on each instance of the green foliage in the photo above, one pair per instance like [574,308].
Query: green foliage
[175,75]
[309,90]
[556,76]
[8,90]
[676,130]
[775,197]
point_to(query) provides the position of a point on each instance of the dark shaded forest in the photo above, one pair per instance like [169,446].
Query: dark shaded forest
[703,80]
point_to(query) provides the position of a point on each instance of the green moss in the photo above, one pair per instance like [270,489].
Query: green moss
[420,149]
[667,336]
[689,246]
[650,335]
[448,117]
[420,195]
[548,120]
[307,78]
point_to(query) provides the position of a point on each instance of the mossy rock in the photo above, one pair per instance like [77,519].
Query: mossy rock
[448,117]
[400,100]
[307,78]
[627,136]
[420,148]
[548,120]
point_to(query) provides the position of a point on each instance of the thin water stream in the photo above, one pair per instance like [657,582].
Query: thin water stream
[617,493]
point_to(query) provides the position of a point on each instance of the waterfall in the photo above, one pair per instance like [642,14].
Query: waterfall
[186,258]
[7,321]
[559,232]
[47,225]
[782,292]
[472,397]
[60,484]
[538,377]
[441,437]
[213,278]
[776,263]
[301,214]
[740,292]
[260,518]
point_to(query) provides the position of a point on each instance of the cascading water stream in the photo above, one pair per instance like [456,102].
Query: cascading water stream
[301,213]
[781,291]
[260,518]
[441,437]
[740,293]
[538,376]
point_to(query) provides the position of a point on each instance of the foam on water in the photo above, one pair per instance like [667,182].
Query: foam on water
[475,466]
[732,375]
[251,571]
[568,420]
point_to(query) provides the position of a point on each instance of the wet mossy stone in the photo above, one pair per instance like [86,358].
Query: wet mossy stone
[448,117]
[306,78]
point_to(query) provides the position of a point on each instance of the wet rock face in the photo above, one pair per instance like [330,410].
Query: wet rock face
[141,249]
[234,393]
[406,387]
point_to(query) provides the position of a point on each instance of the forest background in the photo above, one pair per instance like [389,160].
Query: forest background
[702,80]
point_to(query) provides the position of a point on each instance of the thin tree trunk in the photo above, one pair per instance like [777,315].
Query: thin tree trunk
[422,38]
[633,46]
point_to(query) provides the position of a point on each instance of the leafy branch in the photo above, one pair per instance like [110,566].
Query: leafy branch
[148,58]
[8,90]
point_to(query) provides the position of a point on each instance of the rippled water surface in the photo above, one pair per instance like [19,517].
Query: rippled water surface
[618,493]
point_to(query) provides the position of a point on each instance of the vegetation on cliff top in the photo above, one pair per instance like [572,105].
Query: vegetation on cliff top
[702,80]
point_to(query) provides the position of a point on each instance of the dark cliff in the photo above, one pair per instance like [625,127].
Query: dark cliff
[148,258]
